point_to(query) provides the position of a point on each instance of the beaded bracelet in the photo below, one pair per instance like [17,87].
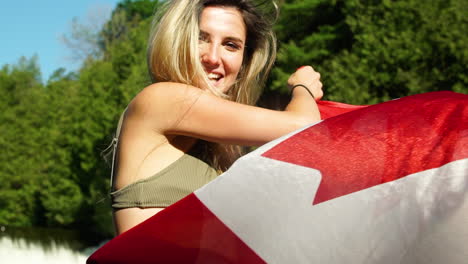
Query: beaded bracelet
[301,85]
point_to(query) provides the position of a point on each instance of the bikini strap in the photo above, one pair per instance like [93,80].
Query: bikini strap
[114,144]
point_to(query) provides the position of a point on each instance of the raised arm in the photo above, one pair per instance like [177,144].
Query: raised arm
[173,108]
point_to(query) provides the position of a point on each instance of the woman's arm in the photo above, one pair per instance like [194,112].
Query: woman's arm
[173,108]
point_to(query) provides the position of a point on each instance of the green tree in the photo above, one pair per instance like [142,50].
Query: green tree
[371,51]
[21,88]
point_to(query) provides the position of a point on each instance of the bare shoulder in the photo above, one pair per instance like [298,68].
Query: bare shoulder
[169,89]
[163,103]
[159,95]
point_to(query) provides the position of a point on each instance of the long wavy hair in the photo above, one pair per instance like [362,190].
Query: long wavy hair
[173,56]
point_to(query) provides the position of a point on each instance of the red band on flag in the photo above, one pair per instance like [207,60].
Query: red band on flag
[186,232]
[402,137]
[329,109]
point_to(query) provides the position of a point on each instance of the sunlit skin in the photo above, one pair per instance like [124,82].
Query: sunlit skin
[222,44]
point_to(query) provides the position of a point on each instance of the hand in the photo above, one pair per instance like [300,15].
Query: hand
[307,76]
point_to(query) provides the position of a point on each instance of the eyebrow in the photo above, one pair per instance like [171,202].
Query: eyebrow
[230,38]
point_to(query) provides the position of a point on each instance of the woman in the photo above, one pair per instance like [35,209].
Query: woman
[208,59]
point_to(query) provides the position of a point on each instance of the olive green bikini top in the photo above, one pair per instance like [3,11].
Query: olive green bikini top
[166,187]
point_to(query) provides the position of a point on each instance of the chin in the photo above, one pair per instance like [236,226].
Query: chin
[221,87]
[218,85]
[225,87]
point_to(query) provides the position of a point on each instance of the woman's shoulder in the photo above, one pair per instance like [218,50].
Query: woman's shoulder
[162,101]
[162,94]
[168,89]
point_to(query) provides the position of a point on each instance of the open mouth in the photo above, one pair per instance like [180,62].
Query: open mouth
[215,77]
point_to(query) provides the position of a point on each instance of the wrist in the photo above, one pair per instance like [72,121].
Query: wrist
[302,87]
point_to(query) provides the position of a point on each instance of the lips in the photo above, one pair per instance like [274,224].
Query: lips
[215,78]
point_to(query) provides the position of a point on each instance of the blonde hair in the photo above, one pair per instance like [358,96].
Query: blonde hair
[173,54]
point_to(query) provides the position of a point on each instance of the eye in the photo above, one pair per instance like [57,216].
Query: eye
[232,46]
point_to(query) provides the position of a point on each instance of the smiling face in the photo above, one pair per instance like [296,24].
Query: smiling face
[222,43]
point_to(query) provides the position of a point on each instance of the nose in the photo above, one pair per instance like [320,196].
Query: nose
[210,56]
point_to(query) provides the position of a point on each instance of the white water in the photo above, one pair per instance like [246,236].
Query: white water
[20,251]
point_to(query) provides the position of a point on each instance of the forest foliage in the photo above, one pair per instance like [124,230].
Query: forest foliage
[53,133]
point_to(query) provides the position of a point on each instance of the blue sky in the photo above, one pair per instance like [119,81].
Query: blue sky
[29,27]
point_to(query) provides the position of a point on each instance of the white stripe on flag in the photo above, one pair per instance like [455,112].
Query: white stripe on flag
[268,204]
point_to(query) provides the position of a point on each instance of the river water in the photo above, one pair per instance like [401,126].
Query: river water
[44,245]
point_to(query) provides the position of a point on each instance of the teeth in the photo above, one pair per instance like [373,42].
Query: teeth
[214,76]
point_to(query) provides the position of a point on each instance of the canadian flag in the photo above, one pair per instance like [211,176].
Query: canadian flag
[386,183]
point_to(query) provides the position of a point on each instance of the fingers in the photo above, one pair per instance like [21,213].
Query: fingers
[318,92]
[303,75]
[306,75]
